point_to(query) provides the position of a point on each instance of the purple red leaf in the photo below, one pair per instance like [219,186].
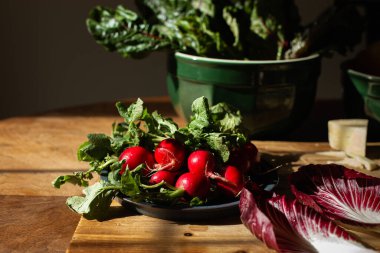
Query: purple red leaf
[288,226]
[339,193]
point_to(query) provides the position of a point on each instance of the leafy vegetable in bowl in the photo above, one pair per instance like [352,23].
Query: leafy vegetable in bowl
[228,29]
[149,159]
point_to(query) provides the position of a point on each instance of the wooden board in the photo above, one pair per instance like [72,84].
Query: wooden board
[35,224]
[124,231]
[138,233]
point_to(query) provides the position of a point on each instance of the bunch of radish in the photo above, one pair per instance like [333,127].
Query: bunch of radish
[199,173]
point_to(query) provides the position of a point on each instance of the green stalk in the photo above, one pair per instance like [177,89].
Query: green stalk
[111,161]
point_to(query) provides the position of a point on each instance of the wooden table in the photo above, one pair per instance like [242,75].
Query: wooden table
[34,218]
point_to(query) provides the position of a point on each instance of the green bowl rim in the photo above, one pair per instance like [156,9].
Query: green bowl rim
[364,75]
[246,62]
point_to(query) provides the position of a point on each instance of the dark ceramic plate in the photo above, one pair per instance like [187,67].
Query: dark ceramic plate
[267,182]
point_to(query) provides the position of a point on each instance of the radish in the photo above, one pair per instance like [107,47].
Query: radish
[201,162]
[163,175]
[169,155]
[252,152]
[134,156]
[245,157]
[232,182]
[195,185]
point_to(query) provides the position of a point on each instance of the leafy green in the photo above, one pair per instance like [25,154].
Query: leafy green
[95,203]
[196,202]
[96,148]
[216,128]
[131,113]
[77,178]
[234,29]
[201,118]
[227,118]
[230,17]
[130,184]
[164,125]
[113,28]
[337,29]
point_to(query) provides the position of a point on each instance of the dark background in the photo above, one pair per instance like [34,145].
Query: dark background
[49,60]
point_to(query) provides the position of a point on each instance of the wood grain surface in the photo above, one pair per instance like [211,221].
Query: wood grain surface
[138,233]
[35,224]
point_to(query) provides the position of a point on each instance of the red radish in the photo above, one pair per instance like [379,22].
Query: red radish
[201,162]
[234,175]
[238,159]
[169,154]
[134,156]
[252,152]
[245,157]
[163,175]
[232,181]
[195,185]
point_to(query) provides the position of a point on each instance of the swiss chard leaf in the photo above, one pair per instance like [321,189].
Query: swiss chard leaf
[206,7]
[229,15]
[337,29]
[250,29]
[164,11]
[124,31]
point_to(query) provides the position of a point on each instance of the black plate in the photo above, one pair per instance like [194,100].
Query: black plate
[182,214]
[267,182]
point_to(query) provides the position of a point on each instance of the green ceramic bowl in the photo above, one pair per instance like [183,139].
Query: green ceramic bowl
[273,96]
[368,87]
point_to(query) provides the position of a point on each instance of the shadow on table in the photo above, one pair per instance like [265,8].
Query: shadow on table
[115,212]
[373,151]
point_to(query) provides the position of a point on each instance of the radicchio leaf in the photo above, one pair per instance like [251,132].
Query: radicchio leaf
[339,193]
[288,226]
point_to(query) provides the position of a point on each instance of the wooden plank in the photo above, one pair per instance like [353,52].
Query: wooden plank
[138,233]
[35,224]
[35,183]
